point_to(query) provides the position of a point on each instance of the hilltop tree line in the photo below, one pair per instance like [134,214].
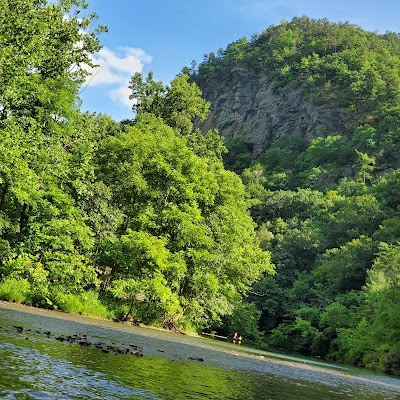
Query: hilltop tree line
[327,208]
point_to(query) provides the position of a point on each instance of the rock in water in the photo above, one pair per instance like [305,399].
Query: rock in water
[194,358]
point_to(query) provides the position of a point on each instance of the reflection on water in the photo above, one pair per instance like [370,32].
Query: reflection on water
[33,366]
[26,371]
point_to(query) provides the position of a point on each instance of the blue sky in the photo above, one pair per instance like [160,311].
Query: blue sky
[165,35]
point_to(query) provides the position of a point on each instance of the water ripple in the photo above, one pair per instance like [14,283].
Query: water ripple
[57,378]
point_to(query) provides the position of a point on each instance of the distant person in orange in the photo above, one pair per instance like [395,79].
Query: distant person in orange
[240,340]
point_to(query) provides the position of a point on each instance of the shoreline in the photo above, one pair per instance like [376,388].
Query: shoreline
[91,320]
[248,353]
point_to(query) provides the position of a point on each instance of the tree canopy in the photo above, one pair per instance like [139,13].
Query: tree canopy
[136,219]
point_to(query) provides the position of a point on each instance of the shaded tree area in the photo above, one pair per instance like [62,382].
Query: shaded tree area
[326,206]
[335,258]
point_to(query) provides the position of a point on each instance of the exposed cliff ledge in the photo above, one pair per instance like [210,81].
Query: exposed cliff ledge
[244,104]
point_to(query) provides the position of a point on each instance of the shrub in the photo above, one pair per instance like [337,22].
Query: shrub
[16,290]
[298,336]
[85,303]
[391,363]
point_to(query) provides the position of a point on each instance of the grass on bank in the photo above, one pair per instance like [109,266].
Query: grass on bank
[85,303]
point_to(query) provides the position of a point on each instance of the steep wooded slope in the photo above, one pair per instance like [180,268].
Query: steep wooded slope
[310,111]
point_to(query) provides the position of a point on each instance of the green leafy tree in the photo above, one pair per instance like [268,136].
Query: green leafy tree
[178,105]
[344,269]
[364,166]
[191,207]
[239,154]
[374,341]
[42,65]
[349,218]
[46,49]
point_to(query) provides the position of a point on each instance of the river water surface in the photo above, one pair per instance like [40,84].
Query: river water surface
[35,366]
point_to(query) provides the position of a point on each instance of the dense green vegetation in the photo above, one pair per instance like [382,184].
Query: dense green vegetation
[142,220]
[327,207]
[137,219]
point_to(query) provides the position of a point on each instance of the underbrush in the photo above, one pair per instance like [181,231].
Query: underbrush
[15,290]
[85,303]
[20,290]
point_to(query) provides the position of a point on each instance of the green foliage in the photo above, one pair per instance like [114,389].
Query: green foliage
[387,190]
[15,290]
[209,145]
[364,138]
[364,166]
[330,274]
[146,275]
[178,105]
[253,178]
[281,161]
[349,218]
[337,316]
[86,303]
[391,363]
[145,210]
[389,230]
[385,273]
[300,336]
[44,237]
[244,320]
[287,204]
[44,82]
[348,188]
[325,161]
[355,342]
[340,270]
[239,154]
[187,240]
[328,150]
[326,203]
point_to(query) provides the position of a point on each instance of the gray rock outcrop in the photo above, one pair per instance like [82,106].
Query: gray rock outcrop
[243,104]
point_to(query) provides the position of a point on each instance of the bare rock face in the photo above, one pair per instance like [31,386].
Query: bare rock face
[243,104]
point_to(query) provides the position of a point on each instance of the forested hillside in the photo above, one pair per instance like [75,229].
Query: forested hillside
[324,189]
[152,220]
[134,220]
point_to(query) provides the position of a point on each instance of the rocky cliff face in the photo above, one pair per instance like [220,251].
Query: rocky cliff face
[243,104]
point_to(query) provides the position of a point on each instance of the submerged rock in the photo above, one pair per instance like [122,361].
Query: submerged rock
[137,353]
[18,328]
[194,358]
[83,340]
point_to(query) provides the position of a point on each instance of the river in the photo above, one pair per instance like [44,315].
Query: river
[36,366]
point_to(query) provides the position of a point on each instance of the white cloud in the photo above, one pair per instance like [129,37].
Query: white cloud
[121,96]
[115,70]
